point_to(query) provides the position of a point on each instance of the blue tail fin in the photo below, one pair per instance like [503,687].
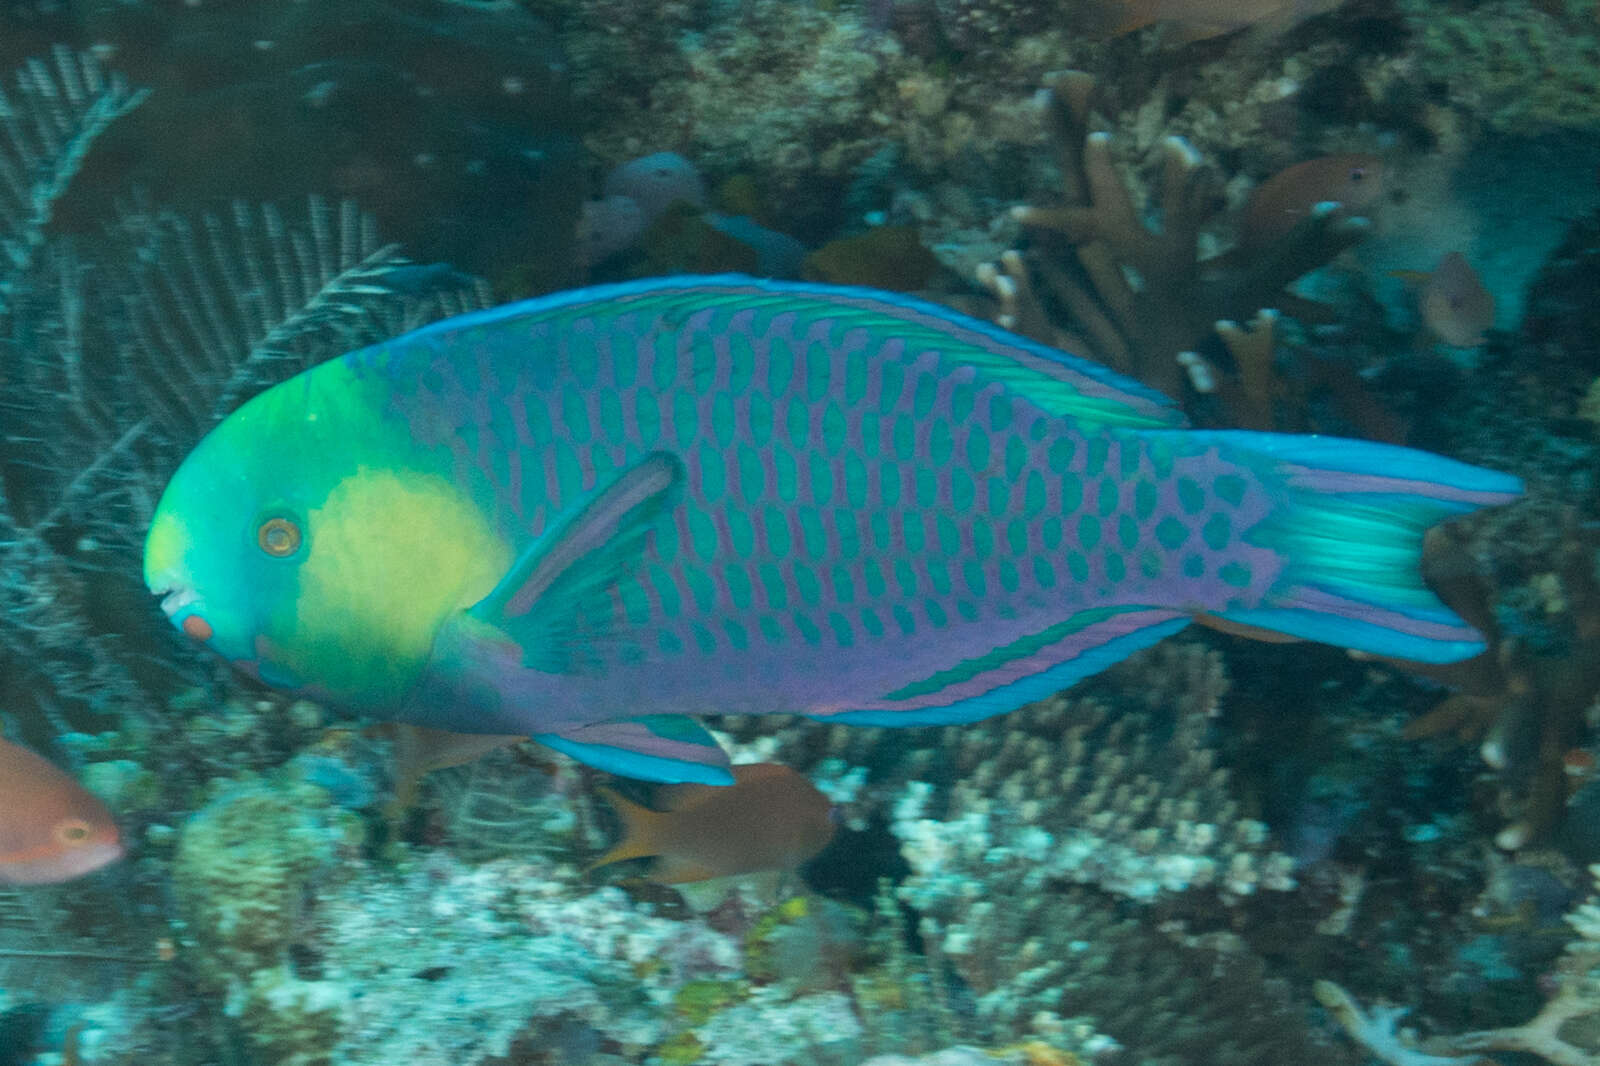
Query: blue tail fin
[1351,531]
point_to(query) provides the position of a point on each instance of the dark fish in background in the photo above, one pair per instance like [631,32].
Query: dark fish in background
[1198,20]
[1352,180]
[770,818]
[51,828]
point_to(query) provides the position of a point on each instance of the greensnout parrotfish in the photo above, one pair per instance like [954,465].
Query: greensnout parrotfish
[595,516]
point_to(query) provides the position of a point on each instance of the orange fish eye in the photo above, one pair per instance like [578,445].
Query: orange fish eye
[73,831]
[278,537]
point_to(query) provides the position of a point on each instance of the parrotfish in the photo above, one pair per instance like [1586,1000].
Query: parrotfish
[51,828]
[594,516]
[770,818]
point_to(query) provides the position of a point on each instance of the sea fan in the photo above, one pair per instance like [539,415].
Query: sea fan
[60,106]
[221,309]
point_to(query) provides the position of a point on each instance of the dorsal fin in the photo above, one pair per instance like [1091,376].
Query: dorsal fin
[1063,384]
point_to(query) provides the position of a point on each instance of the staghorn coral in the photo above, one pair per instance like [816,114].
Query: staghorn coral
[1099,279]
[1525,702]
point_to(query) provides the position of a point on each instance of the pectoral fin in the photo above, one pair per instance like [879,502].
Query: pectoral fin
[556,600]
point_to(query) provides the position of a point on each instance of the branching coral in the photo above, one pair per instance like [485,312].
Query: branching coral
[1099,279]
[1121,789]
[1525,701]
[1566,1032]
[1134,803]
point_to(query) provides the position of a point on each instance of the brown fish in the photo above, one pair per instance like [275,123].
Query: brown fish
[1454,303]
[1200,19]
[1353,180]
[51,828]
[770,818]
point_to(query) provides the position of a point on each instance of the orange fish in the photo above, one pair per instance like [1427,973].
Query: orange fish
[770,818]
[51,828]
[1454,303]
[1277,205]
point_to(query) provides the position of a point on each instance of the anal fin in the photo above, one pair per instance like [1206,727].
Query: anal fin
[655,747]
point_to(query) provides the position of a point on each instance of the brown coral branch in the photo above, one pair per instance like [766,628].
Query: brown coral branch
[1139,293]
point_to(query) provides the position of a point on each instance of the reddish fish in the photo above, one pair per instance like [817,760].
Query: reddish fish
[51,828]
[1354,181]
[770,818]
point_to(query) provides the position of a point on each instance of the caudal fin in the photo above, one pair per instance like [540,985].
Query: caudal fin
[1351,532]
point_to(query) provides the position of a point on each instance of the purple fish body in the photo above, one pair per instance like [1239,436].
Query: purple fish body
[724,495]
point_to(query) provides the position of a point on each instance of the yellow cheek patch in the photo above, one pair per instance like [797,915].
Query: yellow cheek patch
[391,555]
[165,547]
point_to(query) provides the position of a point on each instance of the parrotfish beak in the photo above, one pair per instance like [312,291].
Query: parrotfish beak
[166,575]
[182,606]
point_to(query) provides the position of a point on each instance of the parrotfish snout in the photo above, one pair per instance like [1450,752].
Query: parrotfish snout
[181,605]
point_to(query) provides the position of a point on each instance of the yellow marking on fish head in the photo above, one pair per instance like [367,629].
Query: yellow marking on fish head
[392,555]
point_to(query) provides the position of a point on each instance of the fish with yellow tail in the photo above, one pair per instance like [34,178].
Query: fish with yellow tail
[770,819]
[593,517]
[52,829]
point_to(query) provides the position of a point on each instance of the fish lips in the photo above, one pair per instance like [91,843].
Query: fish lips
[186,612]
[65,865]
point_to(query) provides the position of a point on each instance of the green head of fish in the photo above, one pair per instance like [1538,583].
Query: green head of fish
[313,544]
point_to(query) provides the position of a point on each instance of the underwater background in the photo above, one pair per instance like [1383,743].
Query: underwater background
[1218,851]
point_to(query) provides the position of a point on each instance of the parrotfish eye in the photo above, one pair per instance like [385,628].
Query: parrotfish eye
[1358,173]
[279,537]
[73,831]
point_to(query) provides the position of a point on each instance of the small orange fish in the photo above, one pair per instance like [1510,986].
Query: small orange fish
[770,818]
[1454,303]
[51,828]
[1353,180]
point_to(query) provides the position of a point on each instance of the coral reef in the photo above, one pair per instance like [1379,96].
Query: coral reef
[1122,792]
[1510,66]
[1527,701]
[1563,1033]
[1090,880]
